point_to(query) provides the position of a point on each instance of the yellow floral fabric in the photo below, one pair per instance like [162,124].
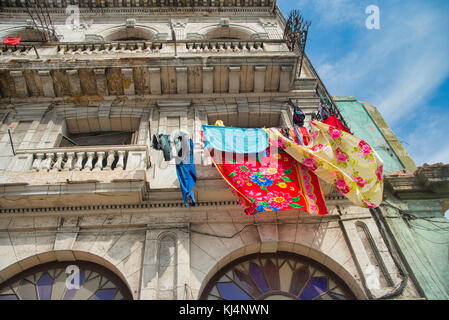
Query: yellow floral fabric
[346,162]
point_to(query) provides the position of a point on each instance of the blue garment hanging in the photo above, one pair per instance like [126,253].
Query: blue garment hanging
[187,176]
[235,140]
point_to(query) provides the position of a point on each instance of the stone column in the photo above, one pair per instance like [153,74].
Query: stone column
[155,80]
[208,79]
[74,81]
[47,83]
[259,78]
[19,83]
[102,85]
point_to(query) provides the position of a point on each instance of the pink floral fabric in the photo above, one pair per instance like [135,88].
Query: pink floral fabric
[340,159]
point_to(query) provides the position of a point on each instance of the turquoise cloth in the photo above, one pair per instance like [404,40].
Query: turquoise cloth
[236,140]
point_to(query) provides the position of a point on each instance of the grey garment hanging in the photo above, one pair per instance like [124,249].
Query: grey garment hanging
[324,112]
[182,146]
[162,142]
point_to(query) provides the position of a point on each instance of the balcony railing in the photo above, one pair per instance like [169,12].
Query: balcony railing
[91,158]
[144,47]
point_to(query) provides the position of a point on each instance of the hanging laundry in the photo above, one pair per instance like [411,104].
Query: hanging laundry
[324,112]
[305,135]
[332,120]
[181,144]
[162,142]
[12,41]
[298,116]
[273,182]
[238,140]
[186,172]
[340,159]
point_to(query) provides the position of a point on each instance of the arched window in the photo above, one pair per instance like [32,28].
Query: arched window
[51,282]
[227,33]
[128,34]
[276,276]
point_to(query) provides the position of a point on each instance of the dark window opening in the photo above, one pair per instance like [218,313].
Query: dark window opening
[115,138]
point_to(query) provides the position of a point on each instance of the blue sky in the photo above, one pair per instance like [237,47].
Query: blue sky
[402,68]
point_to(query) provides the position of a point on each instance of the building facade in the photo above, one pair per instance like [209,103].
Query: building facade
[83,194]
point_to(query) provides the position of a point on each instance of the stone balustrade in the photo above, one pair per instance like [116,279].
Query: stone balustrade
[142,47]
[224,46]
[86,159]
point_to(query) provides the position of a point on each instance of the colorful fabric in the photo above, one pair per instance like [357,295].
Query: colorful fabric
[12,41]
[236,140]
[298,116]
[273,182]
[340,159]
[332,120]
[187,177]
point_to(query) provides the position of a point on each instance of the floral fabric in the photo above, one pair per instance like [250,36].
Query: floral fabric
[340,159]
[272,182]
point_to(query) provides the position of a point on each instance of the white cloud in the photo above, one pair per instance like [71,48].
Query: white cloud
[334,12]
[398,69]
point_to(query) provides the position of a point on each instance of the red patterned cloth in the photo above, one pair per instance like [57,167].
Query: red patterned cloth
[12,41]
[332,120]
[273,182]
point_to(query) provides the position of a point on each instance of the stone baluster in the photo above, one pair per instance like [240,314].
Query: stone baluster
[228,47]
[48,162]
[139,47]
[107,48]
[221,47]
[113,48]
[88,49]
[251,46]
[214,47]
[236,47]
[37,162]
[58,164]
[121,160]
[79,49]
[206,47]
[68,166]
[99,164]
[97,48]
[89,163]
[110,160]
[245,47]
[131,47]
[70,49]
[190,47]
[148,47]
[79,160]
[123,48]
[198,47]
[62,49]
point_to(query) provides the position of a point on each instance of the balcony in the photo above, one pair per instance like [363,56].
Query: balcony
[74,176]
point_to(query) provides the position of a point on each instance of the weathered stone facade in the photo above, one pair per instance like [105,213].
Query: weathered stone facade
[121,70]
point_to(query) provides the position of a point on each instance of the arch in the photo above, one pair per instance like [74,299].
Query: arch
[51,280]
[289,248]
[232,32]
[123,33]
[13,270]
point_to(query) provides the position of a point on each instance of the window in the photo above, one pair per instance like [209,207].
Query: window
[48,282]
[278,276]
[115,138]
